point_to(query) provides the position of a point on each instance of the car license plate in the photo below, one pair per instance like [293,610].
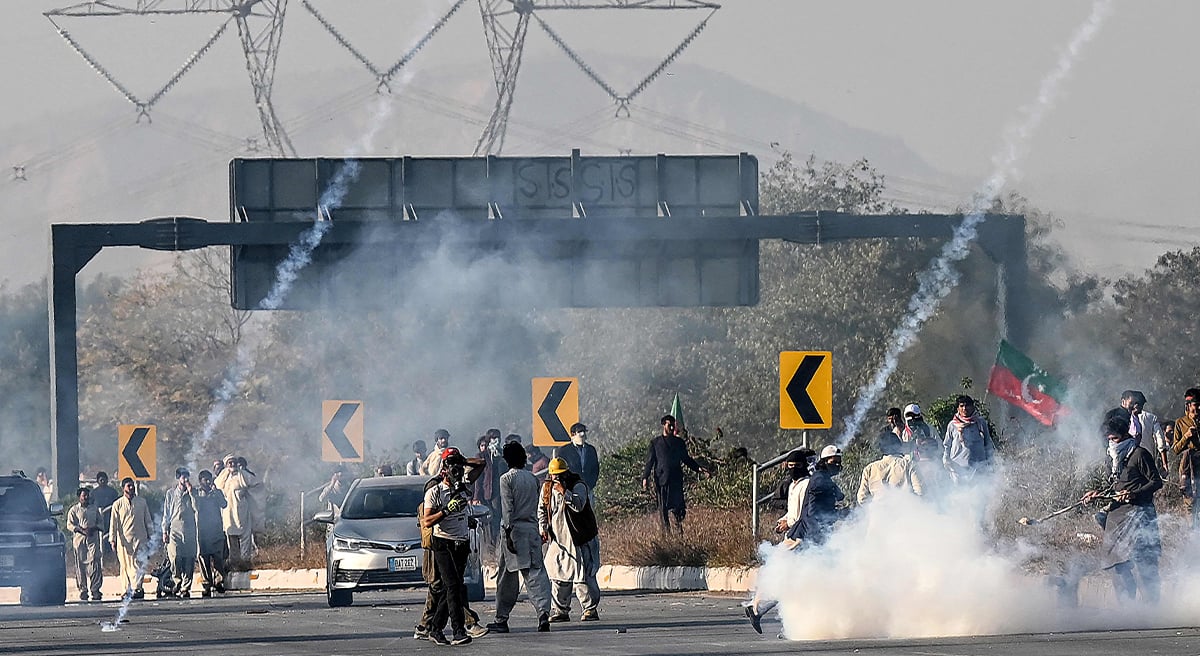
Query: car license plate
[7,560]
[401,563]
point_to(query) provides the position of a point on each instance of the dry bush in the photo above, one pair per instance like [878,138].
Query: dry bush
[287,556]
[712,537]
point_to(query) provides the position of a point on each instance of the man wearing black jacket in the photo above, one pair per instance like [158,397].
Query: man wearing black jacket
[581,457]
[667,455]
[1130,525]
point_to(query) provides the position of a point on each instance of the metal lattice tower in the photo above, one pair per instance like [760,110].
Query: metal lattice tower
[259,25]
[506,23]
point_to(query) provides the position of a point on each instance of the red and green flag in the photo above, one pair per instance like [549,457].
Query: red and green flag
[1019,381]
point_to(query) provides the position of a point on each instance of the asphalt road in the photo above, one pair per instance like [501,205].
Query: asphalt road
[682,623]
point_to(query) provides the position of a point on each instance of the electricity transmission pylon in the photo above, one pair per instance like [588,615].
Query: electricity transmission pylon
[260,28]
[506,24]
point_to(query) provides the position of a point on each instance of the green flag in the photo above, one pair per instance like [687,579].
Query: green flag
[677,413]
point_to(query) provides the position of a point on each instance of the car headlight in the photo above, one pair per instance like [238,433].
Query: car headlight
[45,538]
[347,544]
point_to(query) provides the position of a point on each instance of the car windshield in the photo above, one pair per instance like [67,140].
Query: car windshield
[21,499]
[376,502]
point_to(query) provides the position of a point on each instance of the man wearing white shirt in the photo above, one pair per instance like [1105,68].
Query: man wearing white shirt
[1142,424]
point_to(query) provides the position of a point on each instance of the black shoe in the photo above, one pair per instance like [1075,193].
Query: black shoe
[589,616]
[438,638]
[460,638]
[139,594]
[543,623]
[420,633]
[498,627]
[560,617]
[755,619]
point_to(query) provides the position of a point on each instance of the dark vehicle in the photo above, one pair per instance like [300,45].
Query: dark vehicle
[32,548]
[376,543]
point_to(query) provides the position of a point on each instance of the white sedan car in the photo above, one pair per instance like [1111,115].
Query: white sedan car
[375,544]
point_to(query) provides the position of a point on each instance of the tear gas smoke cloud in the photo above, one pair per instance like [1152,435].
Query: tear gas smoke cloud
[940,278]
[900,568]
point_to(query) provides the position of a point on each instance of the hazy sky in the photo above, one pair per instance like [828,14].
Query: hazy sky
[1116,160]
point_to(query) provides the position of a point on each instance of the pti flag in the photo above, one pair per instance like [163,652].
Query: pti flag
[1018,380]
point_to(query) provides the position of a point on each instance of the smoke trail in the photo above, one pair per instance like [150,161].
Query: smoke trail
[940,278]
[143,562]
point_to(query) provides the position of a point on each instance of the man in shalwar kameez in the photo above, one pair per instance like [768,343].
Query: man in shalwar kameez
[179,532]
[573,556]
[519,549]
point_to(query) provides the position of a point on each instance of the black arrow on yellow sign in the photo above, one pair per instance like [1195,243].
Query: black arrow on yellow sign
[548,410]
[335,430]
[130,452]
[797,389]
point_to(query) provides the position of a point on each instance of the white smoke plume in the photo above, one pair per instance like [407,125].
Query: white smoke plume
[936,282]
[910,567]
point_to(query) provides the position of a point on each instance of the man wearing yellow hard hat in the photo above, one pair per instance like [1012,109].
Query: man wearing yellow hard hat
[568,526]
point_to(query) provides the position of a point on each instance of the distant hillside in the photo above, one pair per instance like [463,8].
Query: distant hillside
[98,166]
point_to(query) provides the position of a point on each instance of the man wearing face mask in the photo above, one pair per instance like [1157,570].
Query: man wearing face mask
[795,524]
[581,457]
[1130,523]
[825,495]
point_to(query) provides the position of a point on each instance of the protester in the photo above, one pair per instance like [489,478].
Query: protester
[130,531]
[210,501]
[812,501]
[1130,522]
[538,463]
[1143,423]
[383,470]
[433,463]
[42,476]
[926,454]
[237,483]
[891,472]
[103,496]
[334,492]
[179,532]
[893,424]
[414,467]
[519,552]
[568,525]
[581,457]
[825,495]
[445,511]
[1187,446]
[434,589]
[799,465]
[84,522]
[487,489]
[667,454]
[967,447]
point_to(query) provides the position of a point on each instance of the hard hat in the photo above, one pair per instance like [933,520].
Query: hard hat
[830,452]
[558,466]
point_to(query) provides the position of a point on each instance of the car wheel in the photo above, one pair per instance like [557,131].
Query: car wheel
[339,598]
[47,589]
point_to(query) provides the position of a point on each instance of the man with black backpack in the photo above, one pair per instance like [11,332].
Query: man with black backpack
[568,525]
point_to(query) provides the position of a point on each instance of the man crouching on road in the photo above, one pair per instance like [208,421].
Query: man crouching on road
[520,552]
[445,511]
